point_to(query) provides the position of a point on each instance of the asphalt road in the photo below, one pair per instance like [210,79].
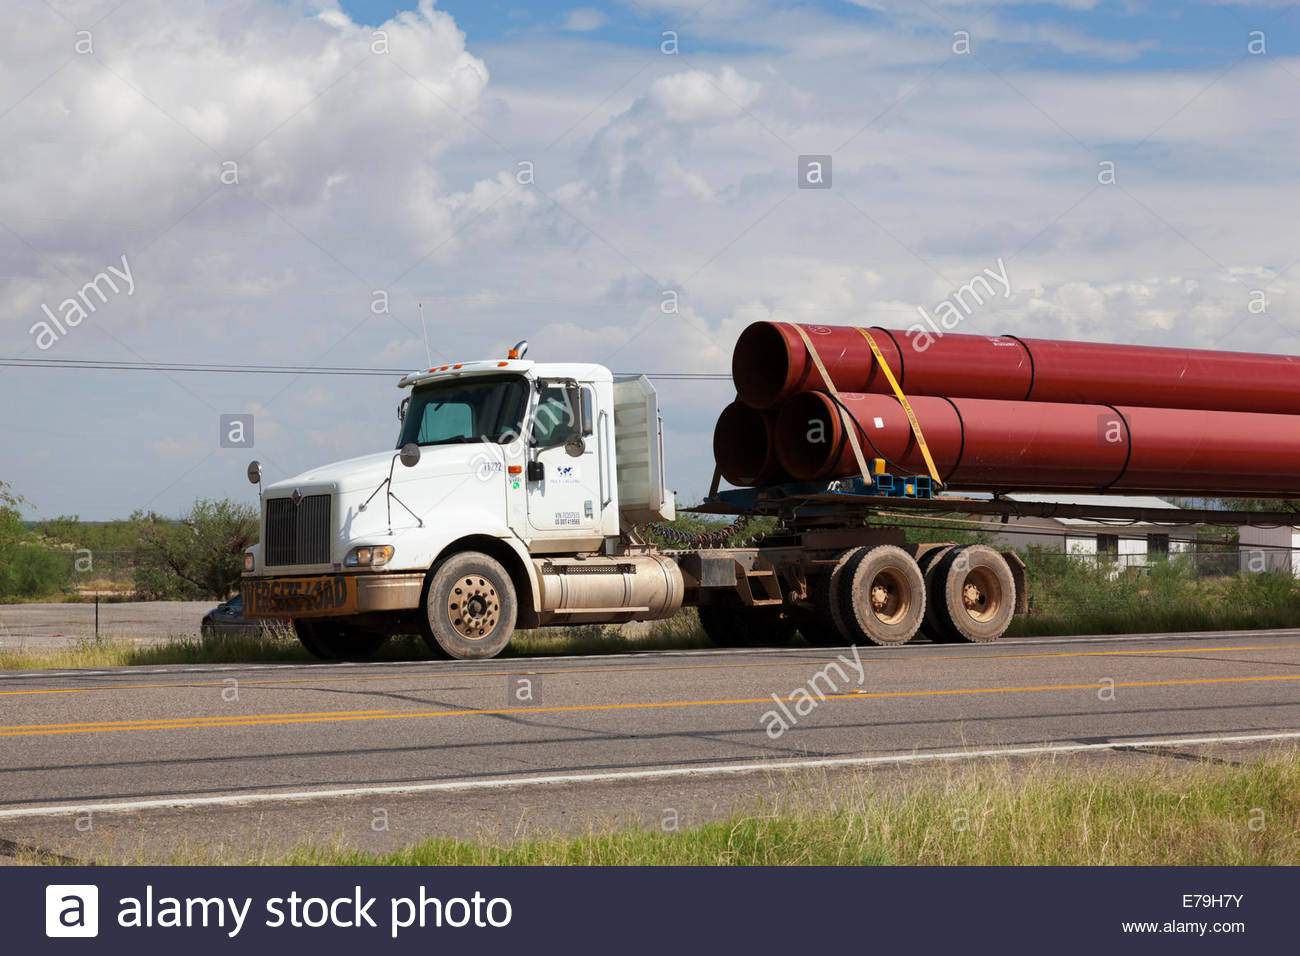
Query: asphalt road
[137,763]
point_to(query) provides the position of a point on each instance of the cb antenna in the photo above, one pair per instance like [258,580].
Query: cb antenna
[428,358]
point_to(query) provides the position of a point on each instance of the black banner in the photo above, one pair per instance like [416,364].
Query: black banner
[914,910]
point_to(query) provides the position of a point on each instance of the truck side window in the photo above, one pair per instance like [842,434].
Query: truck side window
[555,422]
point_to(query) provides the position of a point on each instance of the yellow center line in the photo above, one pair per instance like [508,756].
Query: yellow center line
[146,723]
[253,720]
[645,667]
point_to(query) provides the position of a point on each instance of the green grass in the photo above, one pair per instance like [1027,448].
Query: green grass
[280,644]
[680,631]
[1074,598]
[1205,813]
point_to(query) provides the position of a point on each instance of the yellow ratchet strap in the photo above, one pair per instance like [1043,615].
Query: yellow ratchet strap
[850,427]
[907,406]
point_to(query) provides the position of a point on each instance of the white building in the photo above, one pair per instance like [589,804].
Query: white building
[1122,542]
[1269,549]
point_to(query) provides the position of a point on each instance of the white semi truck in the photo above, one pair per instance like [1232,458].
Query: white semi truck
[515,496]
[513,499]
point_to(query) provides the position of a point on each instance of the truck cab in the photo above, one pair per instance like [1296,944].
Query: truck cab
[506,501]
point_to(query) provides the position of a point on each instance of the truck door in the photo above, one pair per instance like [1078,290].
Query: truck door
[564,489]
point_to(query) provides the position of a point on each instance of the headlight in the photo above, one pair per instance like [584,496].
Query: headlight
[250,562]
[369,556]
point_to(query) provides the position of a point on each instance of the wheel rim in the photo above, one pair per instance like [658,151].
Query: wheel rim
[473,607]
[981,595]
[891,597]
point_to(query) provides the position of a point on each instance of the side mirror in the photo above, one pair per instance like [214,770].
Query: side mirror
[575,447]
[254,472]
[410,454]
[401,409]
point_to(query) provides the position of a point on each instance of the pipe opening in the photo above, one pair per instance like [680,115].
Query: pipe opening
[808,435]
[761,365]
[742,445]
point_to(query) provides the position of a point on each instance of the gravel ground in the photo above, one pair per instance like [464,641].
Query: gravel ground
[49,626]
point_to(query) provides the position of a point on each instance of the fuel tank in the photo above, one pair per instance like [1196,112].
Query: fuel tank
[601,589]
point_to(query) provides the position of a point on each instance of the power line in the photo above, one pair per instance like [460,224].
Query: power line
[216,368]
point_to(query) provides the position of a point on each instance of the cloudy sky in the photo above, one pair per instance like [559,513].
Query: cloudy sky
[284,182]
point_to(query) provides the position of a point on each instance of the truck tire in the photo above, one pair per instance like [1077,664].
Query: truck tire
[827,625]
[975,596]
[765,627]
[719,625]
[333,641]
[470,607]
[738,626]
[932,625]
[882,596]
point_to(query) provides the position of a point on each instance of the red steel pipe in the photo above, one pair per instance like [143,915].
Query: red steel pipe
[771,362]
[988,445]
[743,447]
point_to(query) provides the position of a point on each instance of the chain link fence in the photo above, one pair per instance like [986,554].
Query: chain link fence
[1206,562]
[1204,588]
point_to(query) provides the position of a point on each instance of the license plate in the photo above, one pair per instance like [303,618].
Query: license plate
[291,597]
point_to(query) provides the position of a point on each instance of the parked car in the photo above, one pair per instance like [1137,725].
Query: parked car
[227,620]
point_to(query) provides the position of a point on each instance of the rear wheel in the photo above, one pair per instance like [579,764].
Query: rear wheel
[932,626]
[334,641]
[765,627]
[719,625]
[827,624]
[470,607]
[738,626]
[976,594]
[882,596]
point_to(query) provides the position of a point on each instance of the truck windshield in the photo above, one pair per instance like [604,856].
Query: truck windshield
[488,408]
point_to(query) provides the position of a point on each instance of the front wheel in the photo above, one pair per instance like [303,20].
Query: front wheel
[469,607]
[332,641]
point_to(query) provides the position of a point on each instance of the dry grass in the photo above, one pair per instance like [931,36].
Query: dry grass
[1207,813]
[680,631]
[280,644]
[277,644]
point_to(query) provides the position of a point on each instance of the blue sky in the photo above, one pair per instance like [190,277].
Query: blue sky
[1170,34]
[399,172]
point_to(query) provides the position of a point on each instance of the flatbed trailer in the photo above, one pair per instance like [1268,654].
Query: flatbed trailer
[814,573]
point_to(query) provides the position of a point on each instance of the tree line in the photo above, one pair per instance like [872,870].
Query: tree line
[195,556]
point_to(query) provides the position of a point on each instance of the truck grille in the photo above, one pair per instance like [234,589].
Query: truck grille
[298,534]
